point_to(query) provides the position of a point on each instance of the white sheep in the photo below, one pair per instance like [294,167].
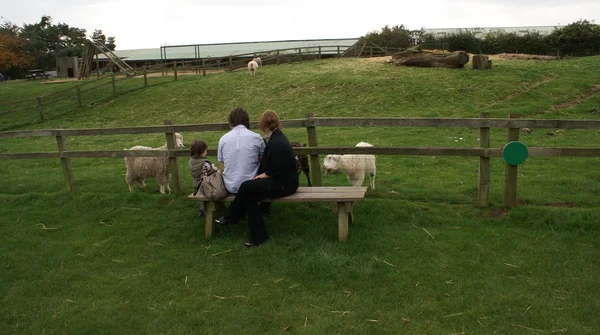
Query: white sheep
[140,168]
[252,66]
[354,166]
[258,61]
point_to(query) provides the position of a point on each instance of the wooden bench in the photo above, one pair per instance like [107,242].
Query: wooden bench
[342,199]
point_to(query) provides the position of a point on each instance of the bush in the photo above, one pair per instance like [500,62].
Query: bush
[578,38]
[393,37]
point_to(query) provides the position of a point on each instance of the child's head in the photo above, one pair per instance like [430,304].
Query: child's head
[198,149]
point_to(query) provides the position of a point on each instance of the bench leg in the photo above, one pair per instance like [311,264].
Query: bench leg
[209,209]
[343,209]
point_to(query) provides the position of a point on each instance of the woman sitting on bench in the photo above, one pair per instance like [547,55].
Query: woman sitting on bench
[278,177]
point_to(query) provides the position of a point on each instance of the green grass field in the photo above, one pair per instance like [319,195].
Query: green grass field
[420,259]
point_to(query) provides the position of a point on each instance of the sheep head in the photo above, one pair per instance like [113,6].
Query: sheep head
[330,163]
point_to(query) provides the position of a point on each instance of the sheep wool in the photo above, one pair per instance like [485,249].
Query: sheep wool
[141,168]
[354,166]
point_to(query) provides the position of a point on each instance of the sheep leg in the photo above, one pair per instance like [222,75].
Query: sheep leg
[142,184]
[356,179]
[372,179]
[164,187]
[307,173]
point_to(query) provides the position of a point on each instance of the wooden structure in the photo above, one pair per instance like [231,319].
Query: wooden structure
[484,152]
[481,62]
[90,50]
[417,57]
[67,67]
[342,198]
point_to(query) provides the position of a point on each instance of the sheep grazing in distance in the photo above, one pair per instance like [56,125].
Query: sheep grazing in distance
[252,66]
[140,168]
[258,61]
[303,159]
[354,166]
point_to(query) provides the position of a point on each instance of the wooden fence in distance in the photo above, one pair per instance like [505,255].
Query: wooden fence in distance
[198,66]
[484,151]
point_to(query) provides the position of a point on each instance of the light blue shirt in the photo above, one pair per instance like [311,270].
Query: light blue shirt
[239,150]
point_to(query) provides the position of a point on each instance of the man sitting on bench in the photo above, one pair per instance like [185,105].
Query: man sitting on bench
[278,177]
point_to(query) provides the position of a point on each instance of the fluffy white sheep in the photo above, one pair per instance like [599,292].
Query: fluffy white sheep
[252,66]
[140,168]
[258,61]
[354,166]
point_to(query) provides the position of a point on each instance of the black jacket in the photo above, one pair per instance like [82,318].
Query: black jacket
[279,161]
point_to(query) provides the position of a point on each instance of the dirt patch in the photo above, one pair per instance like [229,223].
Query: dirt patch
[525,89]
[510,56]
[561,204]
[59,81]
[577,101]
[497,213]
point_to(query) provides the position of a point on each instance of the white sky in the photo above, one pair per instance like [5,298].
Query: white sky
[140,24]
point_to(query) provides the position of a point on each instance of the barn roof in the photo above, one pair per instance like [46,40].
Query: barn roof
[227,49]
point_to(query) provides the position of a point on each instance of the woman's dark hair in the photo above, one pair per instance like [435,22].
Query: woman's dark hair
[269,120]
[197,148]
[239,116]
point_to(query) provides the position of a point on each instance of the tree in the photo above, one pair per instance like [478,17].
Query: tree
[110,43]
[581,37]
[394,37]
[47,40]
[99,38]
[14,56]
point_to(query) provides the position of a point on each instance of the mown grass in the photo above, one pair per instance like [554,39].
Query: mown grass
[421,258]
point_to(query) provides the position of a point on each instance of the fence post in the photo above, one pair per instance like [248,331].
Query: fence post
[114,87]
[300,53]
[370,52]
[78,95]
[65,161]
[145,77]
[319,52]
[175,70]
[173,161]
[315,165]
[230,63]
[203,68]
[278,60]
[483,199]
[510,171]
[40,108]
[338,51]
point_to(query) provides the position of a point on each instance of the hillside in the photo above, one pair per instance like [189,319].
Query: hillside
[421,257]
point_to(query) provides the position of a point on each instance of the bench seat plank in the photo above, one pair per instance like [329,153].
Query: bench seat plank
[342,198]
[318,194]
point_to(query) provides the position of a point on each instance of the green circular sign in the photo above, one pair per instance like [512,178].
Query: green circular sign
[515,153]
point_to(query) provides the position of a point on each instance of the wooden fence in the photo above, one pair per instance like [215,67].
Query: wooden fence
[513,124]
[41,104]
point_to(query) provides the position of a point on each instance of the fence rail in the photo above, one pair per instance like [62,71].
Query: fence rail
[484,151]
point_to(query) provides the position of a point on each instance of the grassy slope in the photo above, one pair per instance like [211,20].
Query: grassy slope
[122,262]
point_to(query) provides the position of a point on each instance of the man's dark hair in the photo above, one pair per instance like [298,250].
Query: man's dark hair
[239,116]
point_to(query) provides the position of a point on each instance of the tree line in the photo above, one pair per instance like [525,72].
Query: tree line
[580,38]
[36,46]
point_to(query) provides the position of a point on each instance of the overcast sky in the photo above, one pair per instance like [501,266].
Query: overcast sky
[151,23]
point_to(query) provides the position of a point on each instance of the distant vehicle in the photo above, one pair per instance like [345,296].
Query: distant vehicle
[37,73]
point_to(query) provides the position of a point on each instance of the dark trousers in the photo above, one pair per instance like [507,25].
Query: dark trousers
[247,202]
